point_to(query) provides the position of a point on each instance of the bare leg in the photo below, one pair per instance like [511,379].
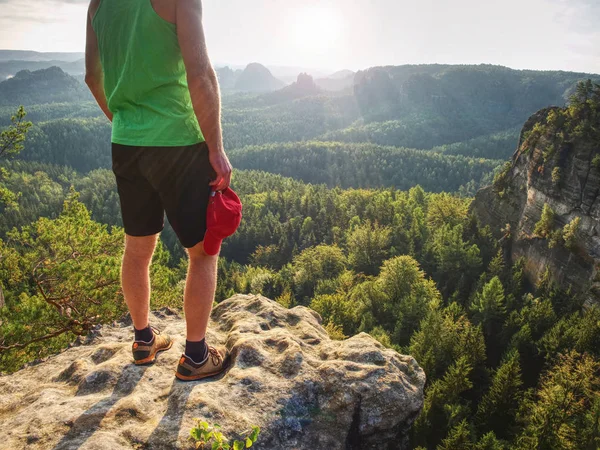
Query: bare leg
[135,277]
[200,288]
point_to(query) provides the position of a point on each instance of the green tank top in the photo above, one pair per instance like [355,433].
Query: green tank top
[144,76]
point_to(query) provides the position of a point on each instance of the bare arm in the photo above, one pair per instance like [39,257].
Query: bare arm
[203,85]
[94,75]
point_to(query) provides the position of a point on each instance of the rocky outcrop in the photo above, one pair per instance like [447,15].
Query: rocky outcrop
[304,390]
[227,77]
[257,78]
[551,166]
[304,87]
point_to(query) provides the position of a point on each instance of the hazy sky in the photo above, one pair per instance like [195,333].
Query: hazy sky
[354,34]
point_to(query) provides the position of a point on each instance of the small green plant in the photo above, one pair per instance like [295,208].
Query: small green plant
[555,238]
[555,118]
[570,232]
[502,175]
[544,227]
[549,152]
[506,231]
[207,437]
[538,129]
[532,137]
[335,331]
[285,299]
[556,175]
[596,162]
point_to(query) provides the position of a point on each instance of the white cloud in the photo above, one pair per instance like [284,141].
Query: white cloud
[43,25]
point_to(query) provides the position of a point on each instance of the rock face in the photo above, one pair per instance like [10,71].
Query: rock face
[547,168]
[304,390]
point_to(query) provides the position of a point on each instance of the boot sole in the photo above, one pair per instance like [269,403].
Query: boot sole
[197,377]
[152,358]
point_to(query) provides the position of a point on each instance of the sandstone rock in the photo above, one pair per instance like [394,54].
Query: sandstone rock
[529,185]
[304,390]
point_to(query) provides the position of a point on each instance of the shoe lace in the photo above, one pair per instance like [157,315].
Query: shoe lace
[215,355]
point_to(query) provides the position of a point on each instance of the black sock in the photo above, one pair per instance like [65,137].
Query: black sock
[196,350]
[145,335]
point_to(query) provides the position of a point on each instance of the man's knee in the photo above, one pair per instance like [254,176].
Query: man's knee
[140,247]
[197,252]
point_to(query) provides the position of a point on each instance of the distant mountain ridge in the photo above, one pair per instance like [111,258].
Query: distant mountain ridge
[30,55]
[388,92]
[424,106]
[419,107]
[10,68]
[50,85]
[338,81]
[257,78]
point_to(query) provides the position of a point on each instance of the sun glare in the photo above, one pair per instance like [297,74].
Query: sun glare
[316,29]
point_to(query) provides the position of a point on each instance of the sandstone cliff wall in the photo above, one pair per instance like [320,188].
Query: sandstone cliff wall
[549,167]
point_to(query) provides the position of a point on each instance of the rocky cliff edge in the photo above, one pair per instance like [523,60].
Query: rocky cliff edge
[303,389]
[556,164]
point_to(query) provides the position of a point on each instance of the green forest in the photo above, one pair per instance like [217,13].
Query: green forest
[356,204]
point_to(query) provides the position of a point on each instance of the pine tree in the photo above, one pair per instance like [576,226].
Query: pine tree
[443,405]
[489,310]
[11,144]
[497,265]
[489,442]
[457,261]
[498,407]
[368,247]
[62,279]
[570,233]
[589,435]
[555,417]
[444,336]
[488,307]
[459,438]
[11,139]
[546,223]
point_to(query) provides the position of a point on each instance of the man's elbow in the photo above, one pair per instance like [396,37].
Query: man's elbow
[91,79]
[203,80]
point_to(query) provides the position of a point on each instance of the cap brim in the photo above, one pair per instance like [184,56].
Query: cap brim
[212,244]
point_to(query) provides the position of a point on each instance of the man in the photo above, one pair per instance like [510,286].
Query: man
[148,68]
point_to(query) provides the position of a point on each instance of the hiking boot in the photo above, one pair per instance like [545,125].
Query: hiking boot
[189,370]
[145,352]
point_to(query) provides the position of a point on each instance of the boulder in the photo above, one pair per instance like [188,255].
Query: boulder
[303,389]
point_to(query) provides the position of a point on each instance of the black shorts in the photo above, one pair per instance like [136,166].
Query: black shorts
[155,180]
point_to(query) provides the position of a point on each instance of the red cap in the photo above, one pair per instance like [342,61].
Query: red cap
[223,217]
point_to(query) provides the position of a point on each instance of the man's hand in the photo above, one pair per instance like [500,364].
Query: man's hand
[220,163]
